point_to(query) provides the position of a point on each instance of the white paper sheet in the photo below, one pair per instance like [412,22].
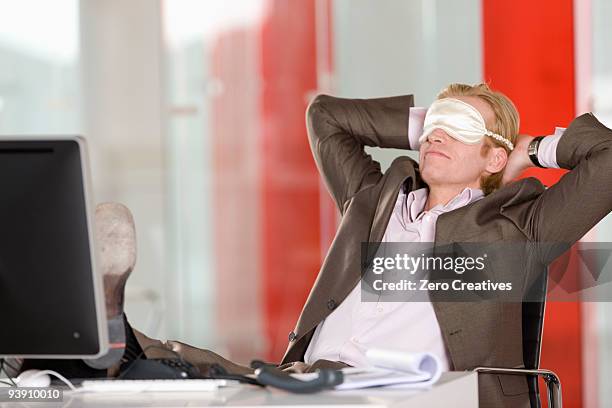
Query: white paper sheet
[396,369]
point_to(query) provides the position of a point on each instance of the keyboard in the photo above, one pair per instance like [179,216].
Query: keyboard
[153,385]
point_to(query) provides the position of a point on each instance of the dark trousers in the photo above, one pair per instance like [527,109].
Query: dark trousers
[78,369]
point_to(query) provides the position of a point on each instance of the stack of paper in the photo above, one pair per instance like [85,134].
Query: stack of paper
[393,368]
[388,368]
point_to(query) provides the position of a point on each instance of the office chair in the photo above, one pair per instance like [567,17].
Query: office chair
[533,326]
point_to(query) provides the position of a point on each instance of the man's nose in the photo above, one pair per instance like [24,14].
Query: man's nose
[438,136]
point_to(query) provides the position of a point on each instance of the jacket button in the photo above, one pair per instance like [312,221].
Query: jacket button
[331,304]
[292,336]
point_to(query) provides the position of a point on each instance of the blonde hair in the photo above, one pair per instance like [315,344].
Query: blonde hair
[506,123]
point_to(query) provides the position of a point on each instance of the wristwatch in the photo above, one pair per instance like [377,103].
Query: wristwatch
[532,150]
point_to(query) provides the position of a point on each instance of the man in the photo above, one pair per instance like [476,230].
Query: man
[454,194]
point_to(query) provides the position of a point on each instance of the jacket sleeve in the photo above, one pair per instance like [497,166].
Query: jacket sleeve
[338,131]
[565,212]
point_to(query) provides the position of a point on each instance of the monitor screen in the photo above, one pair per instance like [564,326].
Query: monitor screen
[49,293]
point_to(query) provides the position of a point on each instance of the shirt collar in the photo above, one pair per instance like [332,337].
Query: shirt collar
[415,202]
[416,199]
[466,196]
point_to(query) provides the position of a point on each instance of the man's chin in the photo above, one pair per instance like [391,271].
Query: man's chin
[434,177]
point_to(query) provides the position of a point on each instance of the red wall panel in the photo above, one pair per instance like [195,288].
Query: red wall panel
[529,55]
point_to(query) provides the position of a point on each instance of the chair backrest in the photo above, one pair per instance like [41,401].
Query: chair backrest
[533,327]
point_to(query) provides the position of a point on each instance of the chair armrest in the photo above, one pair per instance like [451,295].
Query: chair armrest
[553,384]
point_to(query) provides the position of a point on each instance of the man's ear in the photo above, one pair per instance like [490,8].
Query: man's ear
[497,158]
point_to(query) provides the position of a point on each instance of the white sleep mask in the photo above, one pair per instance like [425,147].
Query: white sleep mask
[460,120]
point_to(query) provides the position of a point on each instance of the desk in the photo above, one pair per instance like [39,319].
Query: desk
[454,389]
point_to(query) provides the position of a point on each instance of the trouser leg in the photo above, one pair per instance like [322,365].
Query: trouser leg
[79,369]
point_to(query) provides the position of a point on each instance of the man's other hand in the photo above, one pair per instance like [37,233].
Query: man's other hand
[518,161]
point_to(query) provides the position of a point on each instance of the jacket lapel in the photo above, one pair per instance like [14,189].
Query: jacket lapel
[401,172]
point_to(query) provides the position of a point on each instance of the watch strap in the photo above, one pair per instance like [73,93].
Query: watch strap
[532,150]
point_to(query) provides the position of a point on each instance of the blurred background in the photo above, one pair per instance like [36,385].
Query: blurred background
[194,114]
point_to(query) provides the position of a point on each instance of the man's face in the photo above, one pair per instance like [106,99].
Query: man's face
[444,160]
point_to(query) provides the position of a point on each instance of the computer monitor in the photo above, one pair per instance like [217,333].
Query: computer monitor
[51,297]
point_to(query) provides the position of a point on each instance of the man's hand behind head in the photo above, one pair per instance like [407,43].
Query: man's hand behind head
[518,161]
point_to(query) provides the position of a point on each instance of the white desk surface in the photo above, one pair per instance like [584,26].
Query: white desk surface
[454,389]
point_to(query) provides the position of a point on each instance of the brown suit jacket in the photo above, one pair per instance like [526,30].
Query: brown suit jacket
[475,333]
